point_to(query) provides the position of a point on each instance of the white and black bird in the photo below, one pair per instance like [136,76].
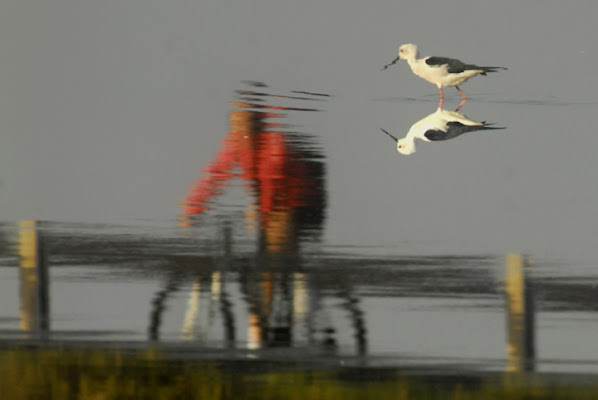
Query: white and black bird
[440,125]
[440,71]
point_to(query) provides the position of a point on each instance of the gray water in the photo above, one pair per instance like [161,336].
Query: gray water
[313,235]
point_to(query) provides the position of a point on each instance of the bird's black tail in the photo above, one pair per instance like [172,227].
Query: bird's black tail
[491,69]
[489,126]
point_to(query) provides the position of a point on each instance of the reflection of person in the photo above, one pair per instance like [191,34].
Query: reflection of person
[285,179]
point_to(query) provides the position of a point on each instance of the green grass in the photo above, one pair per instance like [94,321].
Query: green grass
[100,374]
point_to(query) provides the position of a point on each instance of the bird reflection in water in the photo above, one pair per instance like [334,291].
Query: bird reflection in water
[438,126]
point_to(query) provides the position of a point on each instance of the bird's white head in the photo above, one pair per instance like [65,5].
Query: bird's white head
[406,146]
[407,51]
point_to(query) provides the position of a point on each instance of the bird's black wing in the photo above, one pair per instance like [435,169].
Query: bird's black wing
[454,129]
[453,66]
[436,135]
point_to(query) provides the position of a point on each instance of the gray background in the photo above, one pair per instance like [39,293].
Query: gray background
[109,110]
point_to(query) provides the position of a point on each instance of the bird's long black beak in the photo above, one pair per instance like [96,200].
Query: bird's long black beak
[391,63]
[395,139]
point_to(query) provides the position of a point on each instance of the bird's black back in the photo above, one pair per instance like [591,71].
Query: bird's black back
[455,66]
[453,130]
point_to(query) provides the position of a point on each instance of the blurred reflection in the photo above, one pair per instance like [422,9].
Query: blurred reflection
[284,174]
[520,314]
[438,126]
[34,288]
[172,286]
[357,317]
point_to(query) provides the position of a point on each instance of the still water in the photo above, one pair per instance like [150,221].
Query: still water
[191,187]
[244,267]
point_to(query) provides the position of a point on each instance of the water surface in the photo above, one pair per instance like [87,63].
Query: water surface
[212,181]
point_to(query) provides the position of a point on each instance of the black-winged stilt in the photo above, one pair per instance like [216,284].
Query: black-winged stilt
[440,125]
[440,71]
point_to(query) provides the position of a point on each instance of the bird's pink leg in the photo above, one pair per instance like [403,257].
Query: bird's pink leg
[441,97]
[462,101]
[461,93]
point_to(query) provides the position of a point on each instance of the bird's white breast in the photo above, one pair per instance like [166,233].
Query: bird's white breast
[433,75]
[457,79]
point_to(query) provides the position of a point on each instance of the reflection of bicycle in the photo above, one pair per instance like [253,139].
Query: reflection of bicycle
[285,177]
